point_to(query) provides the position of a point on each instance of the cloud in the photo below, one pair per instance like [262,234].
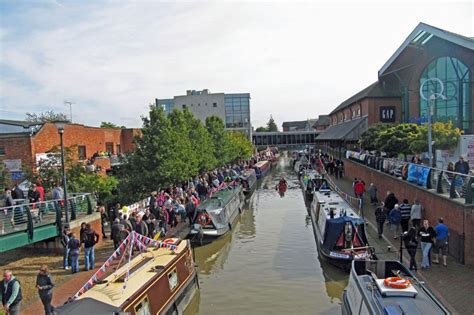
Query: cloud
[112,59]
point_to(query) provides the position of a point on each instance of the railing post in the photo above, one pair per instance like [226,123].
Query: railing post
[29,225]
[72,201]
[439,184]
[468,195]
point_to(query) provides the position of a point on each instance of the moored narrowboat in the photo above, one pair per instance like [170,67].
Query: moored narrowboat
[157,281]
[216,215]
[339,231]
[262,168]
[387,287]
[248,180]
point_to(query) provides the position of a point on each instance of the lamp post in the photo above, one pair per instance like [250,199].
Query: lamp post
[60,126]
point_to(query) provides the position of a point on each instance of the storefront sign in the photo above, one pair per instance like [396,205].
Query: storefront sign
[13,165]
[387,114]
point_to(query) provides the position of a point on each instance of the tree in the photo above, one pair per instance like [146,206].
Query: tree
[396,139]
[242,147]
[261,129]
[46,116]
[107,124]
[220,138]
[369,138]
[271,126]
[444,136]
[4,177]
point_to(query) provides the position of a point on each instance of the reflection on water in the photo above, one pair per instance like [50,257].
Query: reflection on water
[269,264]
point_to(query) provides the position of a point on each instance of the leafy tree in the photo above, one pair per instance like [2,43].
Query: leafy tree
[4,177]
[444,136]
[201,141]
[369,138]
[220,138]
[271,125]
[242,146]
[107,124]
[396,139]
[261,129]
[46,116]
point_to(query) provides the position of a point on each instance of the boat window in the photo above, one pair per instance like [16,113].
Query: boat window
[173,279]
[143,308]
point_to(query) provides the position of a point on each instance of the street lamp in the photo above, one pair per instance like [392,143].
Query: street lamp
[60,124]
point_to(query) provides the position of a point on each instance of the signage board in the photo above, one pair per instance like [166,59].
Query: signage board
[387,114]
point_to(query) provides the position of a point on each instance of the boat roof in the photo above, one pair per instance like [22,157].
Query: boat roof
[415,299]
[248,173]
[332,200]
[261,163]
[224,195]
[142,269]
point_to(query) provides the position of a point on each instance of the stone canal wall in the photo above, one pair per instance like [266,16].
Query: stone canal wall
[457,216]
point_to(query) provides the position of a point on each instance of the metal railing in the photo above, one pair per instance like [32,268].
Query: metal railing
[457,185]
[25,217]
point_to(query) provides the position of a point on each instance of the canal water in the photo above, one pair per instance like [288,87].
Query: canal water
[269,263]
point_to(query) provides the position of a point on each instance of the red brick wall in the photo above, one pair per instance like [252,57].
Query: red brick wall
[18,147]
[374,105]
[127,137]
[457,216]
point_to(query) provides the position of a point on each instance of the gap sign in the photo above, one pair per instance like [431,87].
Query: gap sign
[387,114]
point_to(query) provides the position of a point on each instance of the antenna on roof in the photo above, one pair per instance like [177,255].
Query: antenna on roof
[70,108]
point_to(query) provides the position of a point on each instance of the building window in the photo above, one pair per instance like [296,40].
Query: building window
[81,152]
[109,147]
[2,150]
[118,150]
[454,105]
[143,308]
[214,104]
[184,106]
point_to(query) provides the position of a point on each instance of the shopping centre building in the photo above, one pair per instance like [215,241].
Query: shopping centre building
[430,64]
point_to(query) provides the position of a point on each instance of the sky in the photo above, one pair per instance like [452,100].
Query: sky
[112,59]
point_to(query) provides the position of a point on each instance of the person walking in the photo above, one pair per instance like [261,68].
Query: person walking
[90,239]
[74,246]
[380,217]
[190,209]
[428,235]
[411,244]
[45,285]
[372,193]
[394,217]
[117,227]
[10,293]
[405,209]
[461,166]
[442,233]
[64,242]
[415,213]
[103,221]
[390,200]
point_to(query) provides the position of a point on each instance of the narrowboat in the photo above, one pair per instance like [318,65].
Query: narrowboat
[249,180]
[262,168]
[339,231]
[309,180]
[156,281]
[387,287]
[216,215]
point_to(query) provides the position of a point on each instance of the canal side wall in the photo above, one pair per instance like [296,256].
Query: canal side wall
[458,217]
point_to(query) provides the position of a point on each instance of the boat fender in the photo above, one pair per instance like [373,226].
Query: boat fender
[396,283]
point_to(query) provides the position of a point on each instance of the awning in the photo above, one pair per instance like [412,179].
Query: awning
[347,131]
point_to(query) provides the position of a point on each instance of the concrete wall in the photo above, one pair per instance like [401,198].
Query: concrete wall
[458,217]
[201,105]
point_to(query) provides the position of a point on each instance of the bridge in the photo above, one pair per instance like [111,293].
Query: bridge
[26,223]
[285,139]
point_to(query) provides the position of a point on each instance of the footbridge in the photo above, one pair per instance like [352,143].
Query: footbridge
[285,139]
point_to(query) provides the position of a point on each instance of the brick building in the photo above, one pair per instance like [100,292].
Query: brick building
[435,60]
[321,123]
[21,143]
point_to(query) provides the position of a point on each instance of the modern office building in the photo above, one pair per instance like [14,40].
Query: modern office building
[234,109]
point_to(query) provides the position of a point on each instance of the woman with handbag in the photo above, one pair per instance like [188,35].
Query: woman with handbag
[411,245]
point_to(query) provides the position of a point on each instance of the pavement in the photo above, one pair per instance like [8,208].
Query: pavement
[68,288]
[453,285]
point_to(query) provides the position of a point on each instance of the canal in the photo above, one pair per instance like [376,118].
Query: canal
[269,264]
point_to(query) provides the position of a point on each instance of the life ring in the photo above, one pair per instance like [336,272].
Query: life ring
[204,219]
[169,241]
[396,283]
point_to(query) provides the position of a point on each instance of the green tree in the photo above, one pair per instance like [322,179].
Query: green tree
[396,139]
[201,141]
[242,147]
[444,136]
[108,124]
[261,129]
[271,125]
[46,116]
[4,177]
[369,138]
[220,138]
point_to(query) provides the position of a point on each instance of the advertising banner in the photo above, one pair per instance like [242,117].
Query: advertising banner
[418,174]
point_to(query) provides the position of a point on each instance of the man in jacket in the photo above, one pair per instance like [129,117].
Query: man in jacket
[461,166]
[390,200]
[380,217]
[115,231]
[405,210]
[10,293]
[90,238]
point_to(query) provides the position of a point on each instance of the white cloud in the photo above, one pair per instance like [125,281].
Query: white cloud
[297,60]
